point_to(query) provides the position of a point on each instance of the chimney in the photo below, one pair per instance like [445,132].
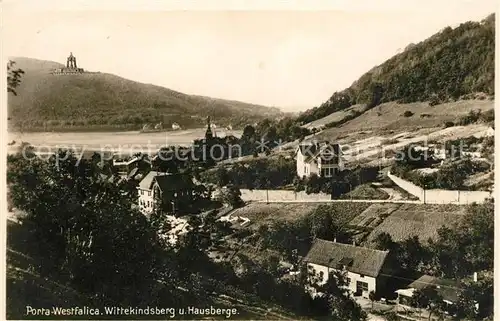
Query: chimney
[475,276]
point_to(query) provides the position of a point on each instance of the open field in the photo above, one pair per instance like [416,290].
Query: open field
[369,137]
[420,220]
[389,116]
[262,213]
[334,117]
[366,192]
[377,147]
[368,217]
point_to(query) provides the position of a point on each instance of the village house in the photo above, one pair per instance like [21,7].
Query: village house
[447,289]
[175,191]
[135,165]
[323,159]
[366,269]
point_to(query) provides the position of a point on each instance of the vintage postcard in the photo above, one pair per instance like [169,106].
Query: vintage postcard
[261,162]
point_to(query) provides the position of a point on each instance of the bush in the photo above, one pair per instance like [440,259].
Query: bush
[448,124]
[434,100]
[408,113]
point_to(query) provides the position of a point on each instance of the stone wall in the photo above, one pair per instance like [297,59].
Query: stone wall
[280,195]
[441,196]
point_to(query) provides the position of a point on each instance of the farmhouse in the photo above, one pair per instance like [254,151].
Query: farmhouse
[174,191]
[363,266]
[447,289]
[323,159]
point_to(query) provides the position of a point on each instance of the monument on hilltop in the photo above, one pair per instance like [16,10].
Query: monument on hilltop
[71,63]
[71,67]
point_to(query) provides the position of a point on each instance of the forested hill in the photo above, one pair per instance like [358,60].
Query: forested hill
[100,100]
[451,64]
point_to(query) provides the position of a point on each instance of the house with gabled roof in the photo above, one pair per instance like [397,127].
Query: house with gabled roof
[446,288]
[366,269]
[323,159]
[124,167]
[174,191]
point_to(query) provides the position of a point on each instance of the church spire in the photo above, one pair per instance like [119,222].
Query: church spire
[208,133]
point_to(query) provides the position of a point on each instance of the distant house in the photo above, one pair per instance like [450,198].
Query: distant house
[363,266]
[124,167]
[175,191]
[448,289]
[323,159]
[176,126]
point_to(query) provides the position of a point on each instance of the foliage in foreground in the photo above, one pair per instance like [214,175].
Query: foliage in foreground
[91,237]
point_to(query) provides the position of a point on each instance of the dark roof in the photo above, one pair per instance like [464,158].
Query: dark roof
[166,181]
[448,289]
[133,172]
[325,149]
[174,182]
[356,259]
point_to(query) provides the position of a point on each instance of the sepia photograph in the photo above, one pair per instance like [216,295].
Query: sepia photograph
[211,161]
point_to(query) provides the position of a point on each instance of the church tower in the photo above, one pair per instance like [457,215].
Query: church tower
[208,134]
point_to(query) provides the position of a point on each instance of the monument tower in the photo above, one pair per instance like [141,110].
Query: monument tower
[71,62]
[71,67]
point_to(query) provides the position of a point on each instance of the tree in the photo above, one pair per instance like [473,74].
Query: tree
[222,176]
[475,299]
[232,196]
[13,77]
[340,303]
[323,225]
[408,113]
[248,140]
[428,298]
[383,241]
[87,230]
[467,246]
[313,184]
[411,253]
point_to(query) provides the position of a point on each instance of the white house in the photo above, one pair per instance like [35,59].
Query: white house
[363,266]
[176,126]
[323,159]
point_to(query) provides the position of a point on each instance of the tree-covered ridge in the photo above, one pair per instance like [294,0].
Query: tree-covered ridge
[97,101]
[451,64]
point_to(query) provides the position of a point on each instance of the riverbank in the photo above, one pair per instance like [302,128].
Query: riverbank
[126,142]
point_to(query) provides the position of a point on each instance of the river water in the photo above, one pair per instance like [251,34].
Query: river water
[118,142]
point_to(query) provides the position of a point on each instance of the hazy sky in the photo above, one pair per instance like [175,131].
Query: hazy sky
[289,59]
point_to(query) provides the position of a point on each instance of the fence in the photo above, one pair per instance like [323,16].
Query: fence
[441,196]
[279,195]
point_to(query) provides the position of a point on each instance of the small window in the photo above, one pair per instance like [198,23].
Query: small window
[348,281]
[149,193]
[361,276]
